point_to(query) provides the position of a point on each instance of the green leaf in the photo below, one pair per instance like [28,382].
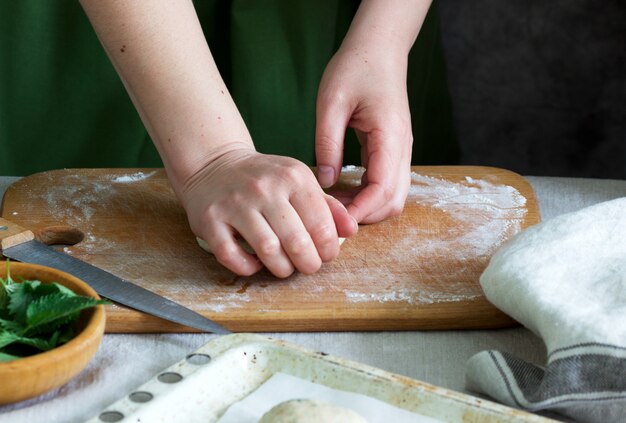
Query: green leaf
[43,344]
[7,338]
[5,285]
[51,326]
[10,325]
[55,308]
[8,279]
[66,335]
[40,343]
[20,296]
[8,357]
[26,292]
[4,296]
[63,289]
[37,317]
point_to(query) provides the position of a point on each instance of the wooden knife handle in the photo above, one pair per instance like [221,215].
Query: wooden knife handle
[12,234]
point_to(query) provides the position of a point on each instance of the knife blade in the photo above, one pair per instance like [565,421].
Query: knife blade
[20,244]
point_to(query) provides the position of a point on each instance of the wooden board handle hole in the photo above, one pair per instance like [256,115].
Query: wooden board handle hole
[59,235]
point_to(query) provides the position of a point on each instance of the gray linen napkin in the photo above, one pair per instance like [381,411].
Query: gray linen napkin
[564,279]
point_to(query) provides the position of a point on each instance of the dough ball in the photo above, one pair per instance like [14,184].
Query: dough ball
[310,411]
[242,242]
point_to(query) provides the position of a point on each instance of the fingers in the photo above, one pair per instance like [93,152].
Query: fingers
[297,235]
[371,194]
[385,183]
[330,128]
[276,205]
[221,242]
[264,240]
[346,224]
[318,219]
[294,238]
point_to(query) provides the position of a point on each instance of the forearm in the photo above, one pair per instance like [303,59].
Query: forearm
[163,59]
[386,26]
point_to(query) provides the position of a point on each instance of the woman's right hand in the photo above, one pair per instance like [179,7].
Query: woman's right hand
[274,203]
[226,187]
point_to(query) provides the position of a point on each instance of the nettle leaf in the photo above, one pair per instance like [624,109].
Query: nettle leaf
[27,292]
[43,344]
[4,295]
[55,309]
[51,326]
[20,296]
[66,335]
[4,311]
[37,317]
[63,289]
[11,326]
[7,338]
[7,287]
[4,357]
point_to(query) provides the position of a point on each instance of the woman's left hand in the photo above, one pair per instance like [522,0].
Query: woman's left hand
[366,90]
[364,87]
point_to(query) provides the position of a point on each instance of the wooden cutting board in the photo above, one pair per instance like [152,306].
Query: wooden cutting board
[419,270]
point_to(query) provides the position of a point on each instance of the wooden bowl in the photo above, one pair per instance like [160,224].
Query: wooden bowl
[30,376]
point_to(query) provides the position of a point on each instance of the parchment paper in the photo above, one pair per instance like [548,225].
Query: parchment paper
[283,387]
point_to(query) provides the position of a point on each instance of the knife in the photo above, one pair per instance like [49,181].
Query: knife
[20,244]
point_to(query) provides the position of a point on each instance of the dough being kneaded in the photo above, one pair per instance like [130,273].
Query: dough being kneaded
[310,411]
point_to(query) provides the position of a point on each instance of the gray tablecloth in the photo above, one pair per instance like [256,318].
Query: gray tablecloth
[438,357]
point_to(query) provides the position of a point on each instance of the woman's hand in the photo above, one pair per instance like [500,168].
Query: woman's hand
[274,203]
[227,188]
[364,87]
[366,92]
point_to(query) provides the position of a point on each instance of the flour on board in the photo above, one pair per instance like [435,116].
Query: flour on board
[409,296]
[75,200]
[138,176]
[485,215]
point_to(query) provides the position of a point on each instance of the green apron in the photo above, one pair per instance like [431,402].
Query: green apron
[62,104]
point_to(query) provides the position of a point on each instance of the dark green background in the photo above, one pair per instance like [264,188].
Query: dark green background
[62,104]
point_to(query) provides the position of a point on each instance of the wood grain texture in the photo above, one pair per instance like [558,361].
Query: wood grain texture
[12,234]
[419,270]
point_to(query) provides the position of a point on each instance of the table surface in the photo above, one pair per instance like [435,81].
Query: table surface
[124,362]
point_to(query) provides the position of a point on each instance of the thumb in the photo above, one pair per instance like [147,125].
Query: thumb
[330,129]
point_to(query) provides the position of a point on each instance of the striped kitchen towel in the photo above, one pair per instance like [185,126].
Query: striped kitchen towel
[564,279]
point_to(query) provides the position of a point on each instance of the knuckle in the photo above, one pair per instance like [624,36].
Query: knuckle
[225,253]
[291,172]
[324,234]
[268,246]
[212,213]
[389,193]
[256,187]
[298,243]
[396,208]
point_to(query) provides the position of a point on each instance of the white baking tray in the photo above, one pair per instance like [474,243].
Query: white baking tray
[229,368]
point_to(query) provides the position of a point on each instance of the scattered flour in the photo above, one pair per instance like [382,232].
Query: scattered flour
[139,176]
[481,216]
[74,201]
[487,213]
[410,296]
